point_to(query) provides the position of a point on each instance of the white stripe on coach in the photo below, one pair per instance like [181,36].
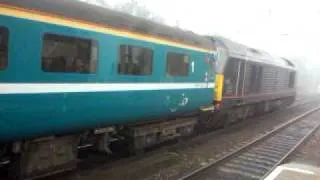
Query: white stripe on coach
[42,88]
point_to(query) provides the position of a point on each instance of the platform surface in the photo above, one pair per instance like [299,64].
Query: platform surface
[295,172]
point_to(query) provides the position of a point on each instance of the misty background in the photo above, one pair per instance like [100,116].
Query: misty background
[285,28]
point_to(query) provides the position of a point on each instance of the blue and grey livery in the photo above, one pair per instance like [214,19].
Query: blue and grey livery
[39,98]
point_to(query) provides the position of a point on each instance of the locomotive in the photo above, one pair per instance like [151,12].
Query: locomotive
[249,82]
[75,75]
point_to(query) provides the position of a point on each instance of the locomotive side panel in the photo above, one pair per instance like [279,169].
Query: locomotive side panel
[253,79]
[276,80]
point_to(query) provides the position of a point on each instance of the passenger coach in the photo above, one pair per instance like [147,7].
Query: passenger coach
[74,74]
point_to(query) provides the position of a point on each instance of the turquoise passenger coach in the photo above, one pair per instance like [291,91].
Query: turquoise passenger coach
[68,67]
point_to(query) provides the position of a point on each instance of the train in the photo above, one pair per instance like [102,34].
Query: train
[75,75]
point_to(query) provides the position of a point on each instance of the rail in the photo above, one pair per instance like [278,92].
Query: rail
[258,158]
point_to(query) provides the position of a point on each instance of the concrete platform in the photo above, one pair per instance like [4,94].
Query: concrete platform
[295,172]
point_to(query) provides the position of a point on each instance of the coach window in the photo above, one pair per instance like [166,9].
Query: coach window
[177,64]
[69,54]
[135,60]
[4,36]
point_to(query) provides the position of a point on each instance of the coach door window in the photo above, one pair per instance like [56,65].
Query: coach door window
[177,64]
[4,36]
[135,60]
[69,54]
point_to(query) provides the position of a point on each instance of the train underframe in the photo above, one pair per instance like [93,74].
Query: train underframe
[51,155]
[233,111]
[55,154]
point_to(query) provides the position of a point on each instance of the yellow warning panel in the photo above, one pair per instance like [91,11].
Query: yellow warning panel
[219,87]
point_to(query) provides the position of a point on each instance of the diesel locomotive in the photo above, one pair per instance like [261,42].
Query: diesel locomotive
[74,75]
[249,82]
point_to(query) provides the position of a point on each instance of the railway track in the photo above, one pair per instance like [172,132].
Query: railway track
[94,162]
[259,157]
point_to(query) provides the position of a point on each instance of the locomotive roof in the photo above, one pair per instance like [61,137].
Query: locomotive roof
[244,52]
[103,16]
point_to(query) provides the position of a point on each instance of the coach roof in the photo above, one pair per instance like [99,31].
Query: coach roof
[114,19]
